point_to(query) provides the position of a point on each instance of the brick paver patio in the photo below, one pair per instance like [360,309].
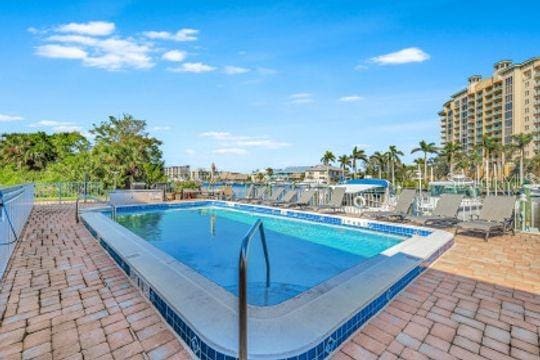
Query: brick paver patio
[63,297]
[478,301]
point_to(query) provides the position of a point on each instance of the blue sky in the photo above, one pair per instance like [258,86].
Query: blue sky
[252,84]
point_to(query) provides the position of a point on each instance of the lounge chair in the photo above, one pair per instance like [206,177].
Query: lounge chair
[496,215]
[249,194]
[260,193]
[273,198]
[335,203]
[227,193]
[287,198]
[444,214]
[304,199]
[404,203]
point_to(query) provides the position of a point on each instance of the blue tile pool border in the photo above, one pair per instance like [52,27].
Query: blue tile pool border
[394,229]
[325,347]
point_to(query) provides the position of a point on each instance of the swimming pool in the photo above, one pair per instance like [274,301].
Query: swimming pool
[329,274]
[302,254]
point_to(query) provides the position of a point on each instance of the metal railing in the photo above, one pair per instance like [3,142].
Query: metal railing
[61,192]
[95,200]
[16,203]
[242,285]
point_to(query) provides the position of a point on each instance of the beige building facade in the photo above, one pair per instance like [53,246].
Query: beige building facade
[505,104]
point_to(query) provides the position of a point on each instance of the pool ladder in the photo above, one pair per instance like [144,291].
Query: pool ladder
[242,285]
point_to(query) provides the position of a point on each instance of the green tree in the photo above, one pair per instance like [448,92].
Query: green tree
[377,161]
[328,158]
[124,153]
[357,155]
[393,155]
[344,162]
[450,151]
[427,149]
[520,142]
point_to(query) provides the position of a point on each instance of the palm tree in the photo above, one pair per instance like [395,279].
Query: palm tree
[344,162]
[357,154]
[393,156]
[520,142]
[328,158]
[475,161]
[426,148]
[450,151]
[377,161]
[488,145]
[269,171]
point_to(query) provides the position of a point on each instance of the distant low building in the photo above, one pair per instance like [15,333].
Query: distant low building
[200,174]
[290,173]
[323,174]
[233,176]
[177,173]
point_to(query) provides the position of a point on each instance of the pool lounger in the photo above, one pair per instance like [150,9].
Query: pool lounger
[444,214]
[496,215]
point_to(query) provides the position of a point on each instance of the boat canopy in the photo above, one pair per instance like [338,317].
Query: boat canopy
[360,185]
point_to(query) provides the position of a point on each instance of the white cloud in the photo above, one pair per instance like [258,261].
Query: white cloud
[181,35]
[8,118]
[197,68]
[217,135]
[61,52]
[190,152]
[109,53]
[58,126]
[229,140]
[360,67]
[161,128]
[74,39]
[351,98]
[117,53]
[263,143]
[93,28]
[404,56]
[174,55]
[90,43]
[235,70]
[301,98]
[230,151]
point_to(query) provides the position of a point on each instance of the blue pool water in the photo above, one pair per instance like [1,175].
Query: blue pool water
[302,254]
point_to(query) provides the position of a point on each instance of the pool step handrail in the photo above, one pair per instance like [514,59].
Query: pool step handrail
[242,284]
[77,207]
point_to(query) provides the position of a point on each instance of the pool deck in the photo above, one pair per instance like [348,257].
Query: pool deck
[64,298]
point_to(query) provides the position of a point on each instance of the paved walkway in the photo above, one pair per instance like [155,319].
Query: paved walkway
[478,301]
[64,298]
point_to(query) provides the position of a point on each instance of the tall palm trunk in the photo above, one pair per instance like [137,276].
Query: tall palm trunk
[521,156]
[393,173]
[425,168]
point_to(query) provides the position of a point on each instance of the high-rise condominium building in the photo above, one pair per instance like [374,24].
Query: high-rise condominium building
[505,104]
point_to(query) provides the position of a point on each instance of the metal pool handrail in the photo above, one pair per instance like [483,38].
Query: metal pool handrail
[242,285]
[77,200]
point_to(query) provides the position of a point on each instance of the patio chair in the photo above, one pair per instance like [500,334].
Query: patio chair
[227,193]
[404,203]
[335,203]
[287,198]
[249,194]
[273,198]
[303,200]
[444,214]
[496,215]
[260,193]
